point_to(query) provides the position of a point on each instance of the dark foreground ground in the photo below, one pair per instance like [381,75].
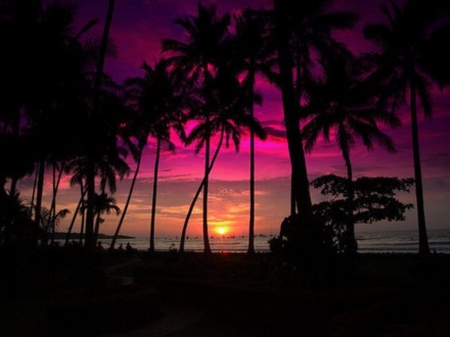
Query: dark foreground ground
[223,295]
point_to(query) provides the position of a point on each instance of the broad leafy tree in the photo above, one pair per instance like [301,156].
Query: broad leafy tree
[374,200]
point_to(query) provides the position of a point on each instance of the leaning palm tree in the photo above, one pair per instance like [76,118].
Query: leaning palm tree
[159,106]
[408,64]
[344,106]
[136,149]
[230,116]
[200,58]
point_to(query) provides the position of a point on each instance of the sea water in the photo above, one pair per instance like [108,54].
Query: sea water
[405,241]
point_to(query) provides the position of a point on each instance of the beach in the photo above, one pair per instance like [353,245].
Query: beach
[232,294]
[400,241]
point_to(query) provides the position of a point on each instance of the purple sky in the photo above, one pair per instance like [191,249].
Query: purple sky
[137,29]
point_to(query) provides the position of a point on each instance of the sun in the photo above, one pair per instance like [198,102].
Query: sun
[222,230]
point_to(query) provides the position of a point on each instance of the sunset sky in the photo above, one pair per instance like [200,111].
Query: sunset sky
[137,29]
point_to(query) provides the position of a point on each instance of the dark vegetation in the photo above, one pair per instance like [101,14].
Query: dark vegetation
[237,295]
[314,282]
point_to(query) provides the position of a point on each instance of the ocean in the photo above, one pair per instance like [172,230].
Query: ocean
[405,241]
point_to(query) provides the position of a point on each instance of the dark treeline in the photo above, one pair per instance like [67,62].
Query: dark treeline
[60,113]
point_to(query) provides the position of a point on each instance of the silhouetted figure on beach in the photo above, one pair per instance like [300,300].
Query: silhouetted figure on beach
[120,248]
[99,246]
[129,248]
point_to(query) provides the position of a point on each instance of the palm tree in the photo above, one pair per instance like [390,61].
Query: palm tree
[299,29]
[50,220]
[200,58]
[408,63]
[103,203]
[254,50]
[159,104]
[346,106]
[90,173]
[136,151]
[230,115]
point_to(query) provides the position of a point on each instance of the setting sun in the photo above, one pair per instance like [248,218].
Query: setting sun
[221,230]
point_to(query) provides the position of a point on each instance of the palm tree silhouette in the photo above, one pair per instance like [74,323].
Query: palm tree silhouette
[408,63]
[90,172]
[230,115]
[254,50]
[299,30]
[345,104]
[200,58]
[103,203]
[158,103]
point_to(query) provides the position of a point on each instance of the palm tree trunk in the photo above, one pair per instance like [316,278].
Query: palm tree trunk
[83,218]
[89,240]
[33,194]
[424,248]
[104,43]
[207,248]
[124,212]
[155,188]
[72,222]
[39,192]
[191,207]
[13,186]
[351,245]
[98,220]
[300,183]
[251,227]
[56,182]
[90,175]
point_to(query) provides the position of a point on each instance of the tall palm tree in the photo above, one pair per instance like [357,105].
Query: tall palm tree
[90,173]
[408,65]
[299,29]
[344,106]
[200,58]
[255,51]
[159,104]
[230,115]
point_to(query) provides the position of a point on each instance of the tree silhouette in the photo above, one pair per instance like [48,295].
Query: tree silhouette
[299,30]
[344,107]
[159,104]
[200,58]
[374,199]
[406,52]
[254,49]
[90,170]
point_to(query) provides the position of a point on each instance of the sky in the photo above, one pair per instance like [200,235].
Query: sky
[137,29]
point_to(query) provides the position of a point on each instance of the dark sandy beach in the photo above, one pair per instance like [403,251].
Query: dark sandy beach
[229,295]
